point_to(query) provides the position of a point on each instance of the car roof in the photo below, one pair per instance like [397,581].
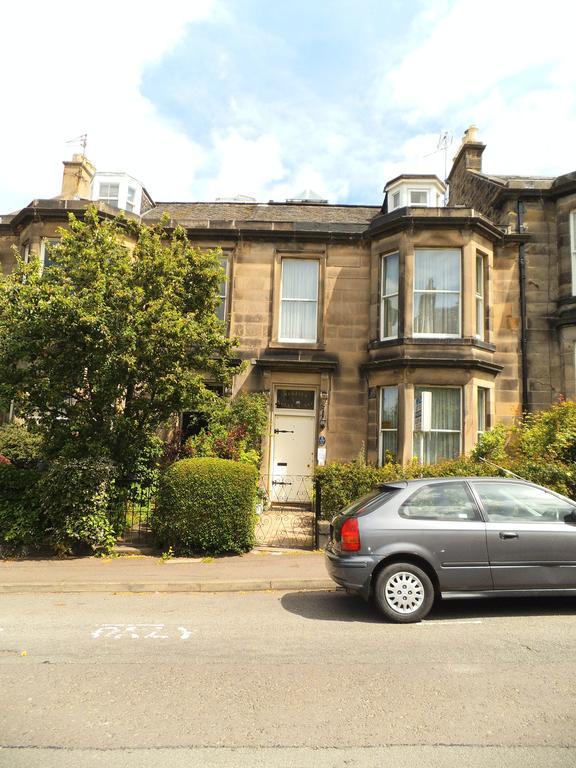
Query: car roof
[432,480]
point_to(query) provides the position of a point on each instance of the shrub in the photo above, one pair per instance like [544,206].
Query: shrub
[20,520]
[550,434]
[235,430]
[207,506]
[75,497]
[22,446]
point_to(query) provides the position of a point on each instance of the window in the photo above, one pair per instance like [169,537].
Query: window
[222,307]
[46,246]
[437,292]
[418,197]
[396,200]
[573,250]
[437,423]
[130,199]
[389,297]
[25,252]
[519,503]
[440,501]
[480,290]
[482,410]
[295,399]
[388,423]
[109,193]
[299,301]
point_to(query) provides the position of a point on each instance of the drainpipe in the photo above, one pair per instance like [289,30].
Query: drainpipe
[523,331]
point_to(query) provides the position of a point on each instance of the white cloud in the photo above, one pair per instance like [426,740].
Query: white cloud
[509,67]
[72,68]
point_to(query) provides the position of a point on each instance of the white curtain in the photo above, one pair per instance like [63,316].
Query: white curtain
[437,291]
[298,313]
[431,447]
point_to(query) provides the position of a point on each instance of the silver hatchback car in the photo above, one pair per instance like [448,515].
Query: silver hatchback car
[409,542]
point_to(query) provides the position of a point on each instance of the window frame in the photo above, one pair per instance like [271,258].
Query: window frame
[225,264]
[460,431]
[515,521]
[384,296]
[398,204]
[485,411]
[480,297]
[573,251]
[478,518]
[381,429]
[286,339]
[43,252]
[107,199]
[420,191]
[415,291]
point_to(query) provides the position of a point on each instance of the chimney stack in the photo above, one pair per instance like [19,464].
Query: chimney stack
[77,178]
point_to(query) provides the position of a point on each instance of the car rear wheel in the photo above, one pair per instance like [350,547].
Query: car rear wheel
[404,593]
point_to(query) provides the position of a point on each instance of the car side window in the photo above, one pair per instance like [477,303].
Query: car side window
[440,501]
[519,503]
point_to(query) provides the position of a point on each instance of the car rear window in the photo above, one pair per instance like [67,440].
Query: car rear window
[375,497]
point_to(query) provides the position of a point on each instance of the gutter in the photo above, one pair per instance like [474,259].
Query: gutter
[523,321]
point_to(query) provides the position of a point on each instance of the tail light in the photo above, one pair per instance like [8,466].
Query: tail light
[350,535]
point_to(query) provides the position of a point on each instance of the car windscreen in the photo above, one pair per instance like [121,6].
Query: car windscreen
[376,496]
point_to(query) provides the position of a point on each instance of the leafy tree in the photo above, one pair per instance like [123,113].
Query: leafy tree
[118,334]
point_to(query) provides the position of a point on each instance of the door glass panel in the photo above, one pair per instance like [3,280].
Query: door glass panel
[300,399]
[442,501]
[517,503]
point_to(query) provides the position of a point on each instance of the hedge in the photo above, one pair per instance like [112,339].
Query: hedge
[342,483]
[20,520]
[206,506]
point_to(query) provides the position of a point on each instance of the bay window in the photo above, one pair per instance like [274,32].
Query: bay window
[389,296]
[437,290]
[480,291]
[388,423]
[437,423]
[573,250]
[299,301]
[223,290]
[482,406]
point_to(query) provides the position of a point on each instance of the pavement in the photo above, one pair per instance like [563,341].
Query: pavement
[259,570]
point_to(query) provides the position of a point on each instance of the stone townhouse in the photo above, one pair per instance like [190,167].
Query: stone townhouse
[404,329]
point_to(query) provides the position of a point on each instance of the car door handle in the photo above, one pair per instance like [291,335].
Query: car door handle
[508,535]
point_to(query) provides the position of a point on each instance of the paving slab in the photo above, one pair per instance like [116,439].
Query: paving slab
[255,571]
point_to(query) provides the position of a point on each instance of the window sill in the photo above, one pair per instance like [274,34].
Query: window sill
[318,346]
[465,341]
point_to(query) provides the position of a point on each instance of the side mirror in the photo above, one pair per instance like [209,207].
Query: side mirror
[570,517]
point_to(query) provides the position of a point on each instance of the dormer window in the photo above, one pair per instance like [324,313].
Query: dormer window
[109,193]
[419,191]
[130,199]
[419,197]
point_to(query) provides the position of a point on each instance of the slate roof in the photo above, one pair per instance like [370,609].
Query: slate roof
[200,213]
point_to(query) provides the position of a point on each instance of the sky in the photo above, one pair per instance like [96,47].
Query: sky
[200,99]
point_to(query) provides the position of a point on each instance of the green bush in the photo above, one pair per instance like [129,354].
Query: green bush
[206,506]
[21,525]
[75,496]
[21,445]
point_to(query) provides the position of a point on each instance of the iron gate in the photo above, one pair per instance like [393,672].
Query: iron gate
[286,515]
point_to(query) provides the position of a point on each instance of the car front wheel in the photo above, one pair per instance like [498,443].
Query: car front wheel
[404,593]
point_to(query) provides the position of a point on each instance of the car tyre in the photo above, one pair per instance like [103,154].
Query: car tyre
[404,593]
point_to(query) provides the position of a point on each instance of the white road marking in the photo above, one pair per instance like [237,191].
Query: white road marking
[137,632]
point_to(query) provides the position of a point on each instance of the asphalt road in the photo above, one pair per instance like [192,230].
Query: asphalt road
[278,679]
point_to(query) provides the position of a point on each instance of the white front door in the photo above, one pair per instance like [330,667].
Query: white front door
[293,443]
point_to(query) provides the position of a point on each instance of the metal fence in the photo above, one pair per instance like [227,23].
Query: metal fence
[132,513]
[286,514]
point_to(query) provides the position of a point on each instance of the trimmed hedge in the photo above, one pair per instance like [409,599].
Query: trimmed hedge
[206,506]
[20,520]
[340,484]
[75,497]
